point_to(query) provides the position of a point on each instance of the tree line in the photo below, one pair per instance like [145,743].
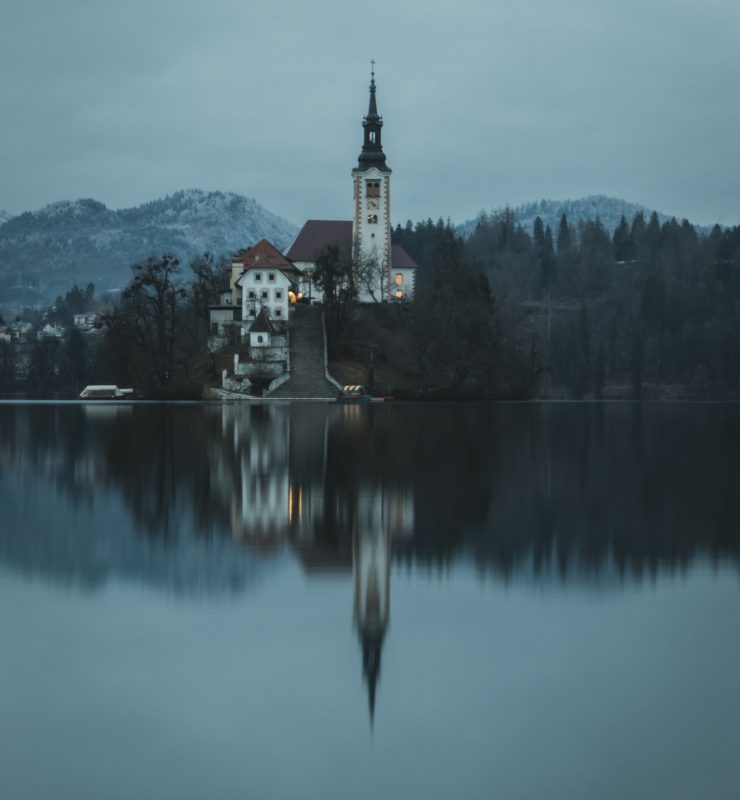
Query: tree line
[646,310]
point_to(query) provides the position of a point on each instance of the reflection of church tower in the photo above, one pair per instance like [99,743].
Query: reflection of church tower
[372,579]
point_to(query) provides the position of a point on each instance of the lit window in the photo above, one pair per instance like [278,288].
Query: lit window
[399,279]
[399,293]
[372,219]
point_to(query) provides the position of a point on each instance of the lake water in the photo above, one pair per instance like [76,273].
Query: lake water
[322,601]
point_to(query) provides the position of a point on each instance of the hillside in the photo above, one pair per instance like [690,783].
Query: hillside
[43,253]
[607,209]
[4,217]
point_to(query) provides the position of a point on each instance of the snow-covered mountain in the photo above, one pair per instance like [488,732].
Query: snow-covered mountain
[43,253]
[607,209]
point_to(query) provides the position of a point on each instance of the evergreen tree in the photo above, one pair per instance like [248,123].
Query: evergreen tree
[622,241]
[539,236]
[564,235]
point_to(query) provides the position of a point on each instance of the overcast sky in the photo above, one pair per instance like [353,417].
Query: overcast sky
[484,103]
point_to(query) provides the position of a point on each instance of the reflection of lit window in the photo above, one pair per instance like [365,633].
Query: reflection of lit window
[372,218]
[399,293]
[399,279]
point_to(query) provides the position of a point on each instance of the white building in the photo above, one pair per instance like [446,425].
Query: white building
[267,288]
[258,277]
[383,271]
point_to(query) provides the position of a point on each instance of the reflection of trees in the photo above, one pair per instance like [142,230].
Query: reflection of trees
[548,489]
[639,487]
[153,458]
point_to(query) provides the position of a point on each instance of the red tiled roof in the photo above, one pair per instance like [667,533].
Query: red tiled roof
[262,323]
[264,254]
[400,259]
[318,233]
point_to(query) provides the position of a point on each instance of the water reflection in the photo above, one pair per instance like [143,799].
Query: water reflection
[196,498]
[553,492]
[208,501]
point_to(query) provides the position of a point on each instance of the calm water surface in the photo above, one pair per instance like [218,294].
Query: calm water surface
[471,601]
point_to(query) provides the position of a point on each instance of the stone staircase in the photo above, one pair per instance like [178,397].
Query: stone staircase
[307,379]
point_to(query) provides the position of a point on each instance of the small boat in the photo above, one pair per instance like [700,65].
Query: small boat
[101,392]
[354,394]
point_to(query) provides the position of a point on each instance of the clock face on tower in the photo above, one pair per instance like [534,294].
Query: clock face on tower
[373,202]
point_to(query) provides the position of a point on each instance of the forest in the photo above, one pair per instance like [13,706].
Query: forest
[648,310]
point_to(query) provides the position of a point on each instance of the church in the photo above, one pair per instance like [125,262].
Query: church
[383,271]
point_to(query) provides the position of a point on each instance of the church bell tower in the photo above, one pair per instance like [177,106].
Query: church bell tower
[371,223]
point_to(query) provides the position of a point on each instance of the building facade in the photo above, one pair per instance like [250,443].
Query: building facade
[383,271]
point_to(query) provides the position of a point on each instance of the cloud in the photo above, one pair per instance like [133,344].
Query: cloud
[483,104]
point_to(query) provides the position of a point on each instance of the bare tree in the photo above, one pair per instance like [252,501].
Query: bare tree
[151,306]
[371,274]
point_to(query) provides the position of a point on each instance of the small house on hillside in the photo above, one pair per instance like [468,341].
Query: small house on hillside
[265,365]
[260,277]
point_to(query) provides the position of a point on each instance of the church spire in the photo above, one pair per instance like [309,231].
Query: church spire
[372,154]
[372,112]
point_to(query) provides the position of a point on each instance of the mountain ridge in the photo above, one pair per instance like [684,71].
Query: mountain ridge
[609,210]
[44,252]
